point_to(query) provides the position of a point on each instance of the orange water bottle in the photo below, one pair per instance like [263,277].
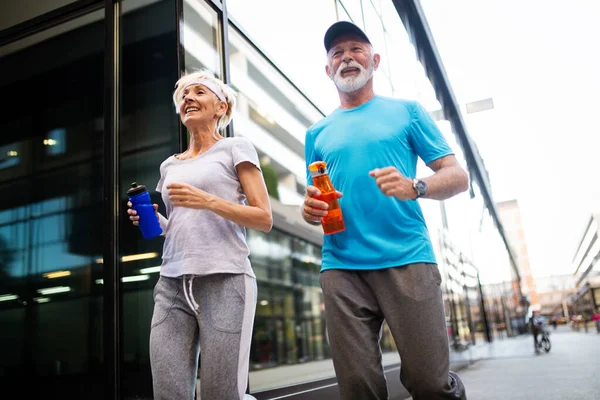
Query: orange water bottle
[333,222]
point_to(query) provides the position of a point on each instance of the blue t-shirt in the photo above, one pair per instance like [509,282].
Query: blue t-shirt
[381,231]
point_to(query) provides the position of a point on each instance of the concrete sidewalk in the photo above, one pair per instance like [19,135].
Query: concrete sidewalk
[510,369]
[284,376]
[504,369]
[301,373]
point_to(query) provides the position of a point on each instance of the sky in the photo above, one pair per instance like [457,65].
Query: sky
[539,61]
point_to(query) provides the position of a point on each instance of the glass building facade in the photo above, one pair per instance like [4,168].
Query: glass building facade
[586,300]
[87,90]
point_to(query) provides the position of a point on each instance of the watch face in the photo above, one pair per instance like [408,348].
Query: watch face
[421,187]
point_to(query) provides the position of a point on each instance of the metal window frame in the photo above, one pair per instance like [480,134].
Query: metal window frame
[224,42]
[180,62]
[112,284]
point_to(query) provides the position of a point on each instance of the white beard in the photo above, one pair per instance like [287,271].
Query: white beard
[351,84]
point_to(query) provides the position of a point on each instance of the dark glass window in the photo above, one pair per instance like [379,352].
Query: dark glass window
[149,133]
[51,166]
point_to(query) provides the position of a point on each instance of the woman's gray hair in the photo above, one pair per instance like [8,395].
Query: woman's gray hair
[205,75]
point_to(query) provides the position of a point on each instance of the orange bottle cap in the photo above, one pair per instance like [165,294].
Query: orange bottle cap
[317,166]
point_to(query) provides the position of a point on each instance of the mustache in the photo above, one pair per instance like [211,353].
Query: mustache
[351,64]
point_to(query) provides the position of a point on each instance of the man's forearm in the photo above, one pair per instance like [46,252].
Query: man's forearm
[446,182]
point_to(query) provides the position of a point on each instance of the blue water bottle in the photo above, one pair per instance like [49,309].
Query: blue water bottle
[140,199]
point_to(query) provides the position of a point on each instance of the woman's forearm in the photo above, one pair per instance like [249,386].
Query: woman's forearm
[254,217]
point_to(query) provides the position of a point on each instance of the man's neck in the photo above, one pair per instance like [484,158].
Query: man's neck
[357,98]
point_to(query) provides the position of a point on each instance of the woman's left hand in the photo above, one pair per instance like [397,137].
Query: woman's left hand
[184,195]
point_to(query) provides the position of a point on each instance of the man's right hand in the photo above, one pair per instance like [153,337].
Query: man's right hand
[314,209]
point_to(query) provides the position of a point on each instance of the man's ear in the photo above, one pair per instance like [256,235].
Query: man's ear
[327,69]
[376,60]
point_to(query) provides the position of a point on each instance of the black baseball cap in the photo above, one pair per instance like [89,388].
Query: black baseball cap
[342,28]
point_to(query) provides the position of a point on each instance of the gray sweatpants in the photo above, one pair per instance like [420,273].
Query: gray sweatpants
[213,314]
[410,300]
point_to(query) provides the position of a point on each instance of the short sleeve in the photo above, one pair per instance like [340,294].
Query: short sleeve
[161,181]
[244,151]
[425,137]
[310,155]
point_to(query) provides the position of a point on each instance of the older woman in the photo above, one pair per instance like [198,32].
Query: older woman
[205,297]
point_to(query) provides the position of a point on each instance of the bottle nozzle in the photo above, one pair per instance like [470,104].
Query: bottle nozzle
[136,189]
[317,168]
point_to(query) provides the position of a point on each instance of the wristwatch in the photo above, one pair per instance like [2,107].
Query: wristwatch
[420,187]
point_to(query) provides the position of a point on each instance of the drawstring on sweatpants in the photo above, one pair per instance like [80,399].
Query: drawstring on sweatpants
[189,296]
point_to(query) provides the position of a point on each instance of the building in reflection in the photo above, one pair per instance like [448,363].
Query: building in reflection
[87,91]
[586,263]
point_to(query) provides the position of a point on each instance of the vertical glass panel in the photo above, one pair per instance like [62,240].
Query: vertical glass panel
[406,72]
[289,326]
[342,12]
[292,37]
[375,32]
[309,307]
[51,168]
[273,338]
[354,10]
[149,133]
[200,37]
[274,116]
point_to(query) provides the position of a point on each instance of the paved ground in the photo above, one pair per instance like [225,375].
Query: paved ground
[300,373]
[510,370]
[504,369]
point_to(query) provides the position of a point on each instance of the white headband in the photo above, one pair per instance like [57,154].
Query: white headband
[209,85]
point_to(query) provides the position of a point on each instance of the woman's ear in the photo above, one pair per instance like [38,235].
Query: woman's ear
[222,108]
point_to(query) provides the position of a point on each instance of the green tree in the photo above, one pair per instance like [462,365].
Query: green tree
[270,177]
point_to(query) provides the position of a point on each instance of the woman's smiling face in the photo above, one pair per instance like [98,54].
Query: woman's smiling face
[200,105]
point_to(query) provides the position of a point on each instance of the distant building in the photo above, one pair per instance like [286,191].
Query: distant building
[510,215]
[553,293]
[586,266]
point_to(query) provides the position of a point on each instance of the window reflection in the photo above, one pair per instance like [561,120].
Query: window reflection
[271,256]
[51,216]
[149,133]
[200,39]
[290,321]
[289,325]
[290,45]
[274,116]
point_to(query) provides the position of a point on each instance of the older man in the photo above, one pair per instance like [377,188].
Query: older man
[382,266]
